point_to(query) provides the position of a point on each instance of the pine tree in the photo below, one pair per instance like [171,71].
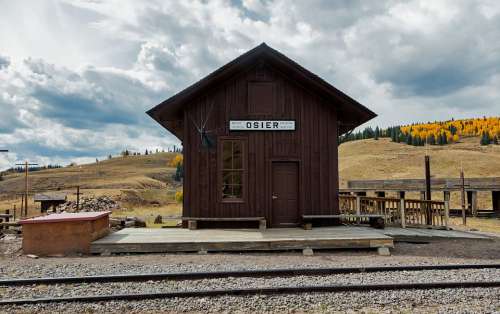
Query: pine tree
[401,138]
[377,133]
[179,172]
[485,139]
[146,152]
[109,156]
[409,139]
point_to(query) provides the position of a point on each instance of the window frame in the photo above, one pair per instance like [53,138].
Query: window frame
[220,168]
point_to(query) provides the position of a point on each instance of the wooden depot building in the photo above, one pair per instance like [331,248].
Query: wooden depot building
[260,139]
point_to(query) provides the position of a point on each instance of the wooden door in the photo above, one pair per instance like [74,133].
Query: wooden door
[285,194]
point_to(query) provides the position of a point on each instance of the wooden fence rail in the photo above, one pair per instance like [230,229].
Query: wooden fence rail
[396,212]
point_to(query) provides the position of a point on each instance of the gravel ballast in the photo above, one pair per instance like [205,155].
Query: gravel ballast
[478,300]
[471,300]
[303,302]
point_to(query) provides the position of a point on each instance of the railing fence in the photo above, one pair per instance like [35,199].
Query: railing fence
[396,212]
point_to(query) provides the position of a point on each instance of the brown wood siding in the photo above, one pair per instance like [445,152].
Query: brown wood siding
[313,145]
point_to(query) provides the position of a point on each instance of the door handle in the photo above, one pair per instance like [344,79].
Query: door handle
[274,197]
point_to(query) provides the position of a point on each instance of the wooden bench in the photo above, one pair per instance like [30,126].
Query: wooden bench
[193,221]
[376,220]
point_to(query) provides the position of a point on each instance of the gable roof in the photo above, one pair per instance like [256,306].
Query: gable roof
[350,112]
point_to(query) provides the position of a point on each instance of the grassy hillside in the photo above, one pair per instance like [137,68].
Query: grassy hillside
[383,159]
[132,172]
[142,184]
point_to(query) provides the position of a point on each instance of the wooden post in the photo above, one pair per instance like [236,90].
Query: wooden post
[192,225]
[358,208]
[78,198]
[262,224]
[380,204]
[446,195]
[422,195]
[22,207]
[473,202]
[402,209]
[495,199]
[446,213]
[462,181]
[428,213]
[26,189]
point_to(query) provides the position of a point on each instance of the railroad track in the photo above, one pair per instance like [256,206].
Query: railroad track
[246,291]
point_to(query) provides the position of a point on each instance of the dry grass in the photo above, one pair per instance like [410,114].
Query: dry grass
[383,159]
[481,224]
[149,213]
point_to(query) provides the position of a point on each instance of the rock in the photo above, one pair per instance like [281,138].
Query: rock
[128,223]
[307,252]
[114,222]
[139,223]
[384,251]
[32,256]
[90,204]
[158,219]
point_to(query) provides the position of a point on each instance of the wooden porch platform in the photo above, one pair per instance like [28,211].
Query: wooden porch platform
[143,240]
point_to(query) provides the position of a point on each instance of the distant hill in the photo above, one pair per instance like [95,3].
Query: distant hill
[487,131]
[131,172]
[362,159]
[383,159]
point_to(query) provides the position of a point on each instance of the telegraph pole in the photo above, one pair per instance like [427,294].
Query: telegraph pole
[26,187]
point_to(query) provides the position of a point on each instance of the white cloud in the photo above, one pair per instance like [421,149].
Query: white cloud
[76,76]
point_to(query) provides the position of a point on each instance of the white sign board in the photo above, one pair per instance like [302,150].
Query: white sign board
[262,125]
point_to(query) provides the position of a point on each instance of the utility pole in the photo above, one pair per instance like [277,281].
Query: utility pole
[26,187]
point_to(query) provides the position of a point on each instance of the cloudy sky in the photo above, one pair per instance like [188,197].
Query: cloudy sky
[77,76]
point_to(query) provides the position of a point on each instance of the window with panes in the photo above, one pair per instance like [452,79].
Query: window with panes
[232,169]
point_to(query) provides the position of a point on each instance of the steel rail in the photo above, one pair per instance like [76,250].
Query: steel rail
[289,272]
[254,291]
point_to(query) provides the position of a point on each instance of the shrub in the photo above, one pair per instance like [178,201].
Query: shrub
[179,196]
[178,159]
